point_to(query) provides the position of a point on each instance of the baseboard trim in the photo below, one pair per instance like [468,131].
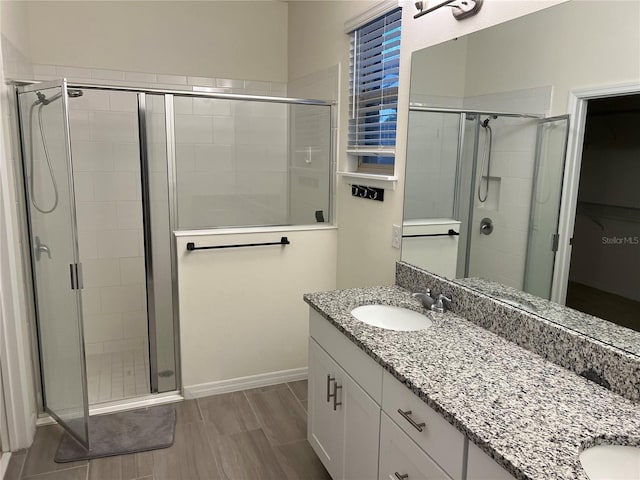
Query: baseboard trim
[245,383]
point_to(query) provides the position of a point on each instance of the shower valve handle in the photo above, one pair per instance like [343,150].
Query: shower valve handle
[486,226]
[41,248]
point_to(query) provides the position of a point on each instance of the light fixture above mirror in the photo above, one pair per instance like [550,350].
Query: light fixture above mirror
[460,9]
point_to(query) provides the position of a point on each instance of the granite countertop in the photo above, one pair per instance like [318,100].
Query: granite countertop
[603,330]
[532,416]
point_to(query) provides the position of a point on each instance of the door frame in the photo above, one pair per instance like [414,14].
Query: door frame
[15,355]
[578,99]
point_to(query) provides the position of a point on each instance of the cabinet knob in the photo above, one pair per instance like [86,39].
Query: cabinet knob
[406,415]
[404,476]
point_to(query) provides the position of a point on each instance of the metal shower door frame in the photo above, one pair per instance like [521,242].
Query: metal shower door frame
[536,175]
[63,85]
[148,243]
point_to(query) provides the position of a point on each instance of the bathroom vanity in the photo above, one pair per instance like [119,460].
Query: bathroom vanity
[453,401]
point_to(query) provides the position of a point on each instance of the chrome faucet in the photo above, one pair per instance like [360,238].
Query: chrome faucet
[425,298]
[439,305]
[435,304]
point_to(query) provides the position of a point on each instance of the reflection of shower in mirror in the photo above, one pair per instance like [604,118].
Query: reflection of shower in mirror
[486,158]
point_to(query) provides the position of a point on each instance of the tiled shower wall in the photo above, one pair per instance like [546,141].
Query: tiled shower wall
[104,143]
[141,79]
[310,148]
[432,151]
[501,256]
[231,156]
[231,160]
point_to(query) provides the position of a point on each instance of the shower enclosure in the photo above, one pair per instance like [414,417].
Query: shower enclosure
[500,174]
[110,173]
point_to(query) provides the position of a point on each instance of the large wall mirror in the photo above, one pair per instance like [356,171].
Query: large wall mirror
[489,128]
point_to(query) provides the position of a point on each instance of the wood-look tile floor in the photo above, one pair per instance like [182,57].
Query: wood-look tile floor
[257,434]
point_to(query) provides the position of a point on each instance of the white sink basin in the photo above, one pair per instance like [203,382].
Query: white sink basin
[611,462]
[391,318]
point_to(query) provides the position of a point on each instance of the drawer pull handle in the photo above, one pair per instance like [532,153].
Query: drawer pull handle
[404,476]
[405,415]
[336,403]
[329,380]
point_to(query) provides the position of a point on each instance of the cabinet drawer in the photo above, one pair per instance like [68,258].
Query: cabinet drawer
[362,368]
[481,466]
[444,444]
[400,456]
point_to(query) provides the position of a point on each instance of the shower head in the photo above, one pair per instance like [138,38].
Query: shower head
[485,122]
[42,98]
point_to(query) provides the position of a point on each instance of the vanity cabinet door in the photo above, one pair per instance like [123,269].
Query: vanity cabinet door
[325,426]
[361,432]
[400,457]
[343,420]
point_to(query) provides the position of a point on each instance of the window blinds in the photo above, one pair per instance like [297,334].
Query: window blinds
[373,88]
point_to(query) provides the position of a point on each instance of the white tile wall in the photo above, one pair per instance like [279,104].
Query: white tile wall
[192,129]
[107,182]
[144,79]
[231,160]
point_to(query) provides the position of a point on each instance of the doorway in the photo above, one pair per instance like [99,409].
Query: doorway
[605,255]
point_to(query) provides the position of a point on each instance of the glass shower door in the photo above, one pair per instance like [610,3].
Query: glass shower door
[543,241]
[56,271]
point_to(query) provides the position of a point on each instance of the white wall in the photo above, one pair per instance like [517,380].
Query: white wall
[227,39]
[241,310]
[17,316]
[553,56]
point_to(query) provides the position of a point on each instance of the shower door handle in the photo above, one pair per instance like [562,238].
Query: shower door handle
[75,273]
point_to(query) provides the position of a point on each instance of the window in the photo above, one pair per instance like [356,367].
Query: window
[373,91]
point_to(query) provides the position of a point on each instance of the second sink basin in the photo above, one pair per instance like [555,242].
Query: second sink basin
[611,462]
[391,318]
